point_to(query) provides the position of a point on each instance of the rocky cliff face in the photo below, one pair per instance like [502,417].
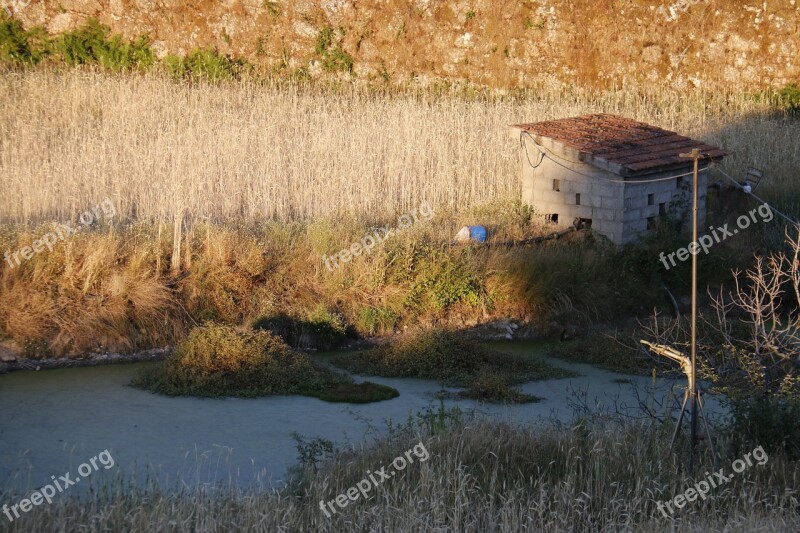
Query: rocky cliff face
[499,43]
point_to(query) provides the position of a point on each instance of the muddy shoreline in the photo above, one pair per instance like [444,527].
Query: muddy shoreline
[497,330]
[154,354]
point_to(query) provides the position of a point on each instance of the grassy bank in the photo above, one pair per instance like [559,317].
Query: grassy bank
[122,286]
[478,476]
[618,352]
[454,361]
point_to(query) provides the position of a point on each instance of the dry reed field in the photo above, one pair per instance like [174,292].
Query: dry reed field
[250,151]
[195,170]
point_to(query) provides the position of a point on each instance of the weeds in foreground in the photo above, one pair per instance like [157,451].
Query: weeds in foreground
[481,476]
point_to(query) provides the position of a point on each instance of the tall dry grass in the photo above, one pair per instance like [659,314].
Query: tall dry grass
[481,476]
[249,151]
[201,167]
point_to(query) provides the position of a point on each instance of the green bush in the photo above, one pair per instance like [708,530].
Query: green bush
[326,327]
[442,281]
[322,329]
[20,46]
[204,64]
[372,320]
[217,360]
[215,348]
[767,421]
[333,56]
[789,97]
[93,44]
[492,387]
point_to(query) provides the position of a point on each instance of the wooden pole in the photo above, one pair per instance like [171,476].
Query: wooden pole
[695,155]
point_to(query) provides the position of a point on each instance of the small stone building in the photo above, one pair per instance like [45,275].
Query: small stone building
[614,174]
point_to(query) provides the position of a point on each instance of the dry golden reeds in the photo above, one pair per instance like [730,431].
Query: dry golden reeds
[249,152]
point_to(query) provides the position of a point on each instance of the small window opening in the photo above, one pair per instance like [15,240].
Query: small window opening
[553,219]
[651,199]
[556,185]
[578,199]
[662,209]
[651,223]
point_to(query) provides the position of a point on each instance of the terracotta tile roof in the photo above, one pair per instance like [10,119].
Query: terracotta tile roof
[618,144]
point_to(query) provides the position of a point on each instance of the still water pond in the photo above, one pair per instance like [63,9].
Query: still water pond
[52,421]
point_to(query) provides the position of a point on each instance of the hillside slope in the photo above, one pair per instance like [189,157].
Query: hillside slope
[498,43]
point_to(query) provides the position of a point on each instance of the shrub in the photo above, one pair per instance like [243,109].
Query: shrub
[91,44]
[217,360]
[372,320]
[326,327]
[322,329]
[333,56]
[204,64]
[20,46]
[453,360]
[789,98]
[215,348]
[443,281]
[492,387]
[767,421]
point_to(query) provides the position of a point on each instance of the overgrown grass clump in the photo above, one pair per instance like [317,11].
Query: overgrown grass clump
[321,329]
[217,361]
[453,360]
[329,48]
[611,352]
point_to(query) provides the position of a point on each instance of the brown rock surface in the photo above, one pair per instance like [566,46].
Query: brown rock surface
[683,43]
